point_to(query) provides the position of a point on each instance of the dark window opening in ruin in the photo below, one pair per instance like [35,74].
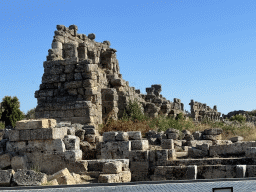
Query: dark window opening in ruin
[171,114]
[104,110]
[90,55]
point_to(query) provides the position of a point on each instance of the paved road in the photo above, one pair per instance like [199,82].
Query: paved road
[178,186]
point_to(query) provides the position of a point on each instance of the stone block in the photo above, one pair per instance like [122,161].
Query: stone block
[240,171]
[134,135]
[139,156]
[29,177]
[109,178]
[122,136]
[5,160]
[172,130]
[139,166]
[192,172]
[48,145]
[213,131]
[73,155]
[161,156]
[92,131]
[115,150]
[235,139]
[173,136]
[72,142]
[139,145]
[82,120]
[6,177]
[250,152]
[109,136]
[25,135]
[171,154]
[212,137]
[167,144]
[216,171]
[35,124]
[193,152]
[199,142]
[63,177]
[19,162]
[90,138]
[125,176]
[197,135]
[98,139]
[71,130]
[112,167]
[18,146]
[14,135]
[80,133]
[53,182]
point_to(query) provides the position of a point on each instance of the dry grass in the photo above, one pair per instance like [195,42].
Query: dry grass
[246,130]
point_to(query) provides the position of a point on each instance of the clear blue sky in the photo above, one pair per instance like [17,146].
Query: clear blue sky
[197,49]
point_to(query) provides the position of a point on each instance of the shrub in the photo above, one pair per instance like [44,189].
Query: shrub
[239,118]
[11,113]
[31,114]
[133,111]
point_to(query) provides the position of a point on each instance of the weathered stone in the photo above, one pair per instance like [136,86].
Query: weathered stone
[35,124]
[167,144]
[134,135]
[73,155]
[29,177]
[235,139]
[72,142]
[19,162]
[63,177]
[112,167]
[122,136]
[5,160]
[80,133]
[139,145]
[213,131]
[109,178]
[6,176]
[109,136]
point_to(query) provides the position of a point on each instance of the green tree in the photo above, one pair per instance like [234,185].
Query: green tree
[11,113]
[31,114]
[133,111]
[239,118]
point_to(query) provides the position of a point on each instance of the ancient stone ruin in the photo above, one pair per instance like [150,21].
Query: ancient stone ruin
[81,86]
[82,83]
[200,111]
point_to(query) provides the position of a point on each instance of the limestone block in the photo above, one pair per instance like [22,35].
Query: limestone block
[139,145]
[134,135]
[112,167]
[212,137]
[82,120]
[98,139]
[199,142]
[29,177]
[5,160]
[19,162]
[14,135]
[250,152]
[167,144]
[80,133]
[171,154]
[235,139]
[197,135]
[71,130]
[55,133]
[139,166]
[122,136]
[46,145]
[192,172]
[73,155]
[125,176]
[90,130]
[109,136]
[138,156]
[63,177]
[172,130]
[240,171]
[6,176]
[53,182]
[35,124]
[204,147]
[77,178]
[18,146]
[161,156]
[25,135]
[72,142]
[213,131]
[193,152]
[115,150]
[109,178]
[221,142]
[216,171]
[173,136]
[90,138]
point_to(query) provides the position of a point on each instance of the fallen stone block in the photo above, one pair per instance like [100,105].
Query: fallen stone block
[197,135]
[72,142]
[109,136]
[109,178]
[134,135]
[167,144]
[77,178]
[97,165]
[80,133]
[5,160]
[29,177]
[63,177]
[71,130]
[212,137]
[6,176]
[125,176]
[112,167]
[90,138]
[235,139]
[172,130]
[199,142]
[19,162]
[139,145]
[52,182]
[173,136]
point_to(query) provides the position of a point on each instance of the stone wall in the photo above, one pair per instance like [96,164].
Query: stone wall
[200,111]
[82,83]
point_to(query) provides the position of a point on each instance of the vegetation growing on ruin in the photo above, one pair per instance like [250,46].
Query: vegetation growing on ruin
[235,127]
